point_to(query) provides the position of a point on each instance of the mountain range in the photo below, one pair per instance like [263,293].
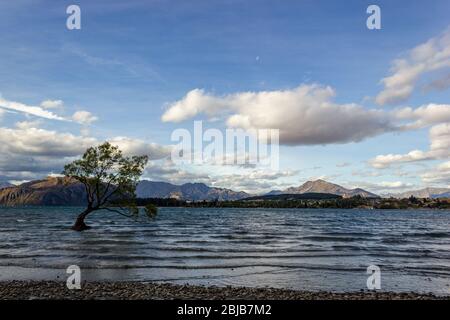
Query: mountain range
[424,193]
[5,184]
[187,191]
[69,192]
[50,191]
[322,186]
[65,191]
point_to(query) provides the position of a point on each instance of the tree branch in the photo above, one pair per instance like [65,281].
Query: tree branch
[116,211]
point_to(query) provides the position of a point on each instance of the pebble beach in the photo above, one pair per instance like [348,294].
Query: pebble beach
[50,290]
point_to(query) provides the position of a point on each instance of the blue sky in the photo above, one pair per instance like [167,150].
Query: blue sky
[132,61]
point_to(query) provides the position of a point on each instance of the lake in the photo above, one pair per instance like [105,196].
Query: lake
[308,249]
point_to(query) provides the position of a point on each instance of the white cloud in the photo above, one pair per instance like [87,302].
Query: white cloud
[424,116]
[31,110]
[28,124]
[28,152]
[305,115]
[439,175]
[382,186]
[84,117]
[131,146]
[169,172]
[196,101]
[253,181]
[51,104]
[241,179]
[30,141]
[430,56]
[439,149]
[384,161]
[394,185]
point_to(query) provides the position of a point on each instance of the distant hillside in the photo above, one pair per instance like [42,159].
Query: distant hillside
[69,192]
[425,193]
[50,191]
[5,184]
[274,192]
[187,191]
[302,196]
[441,195]
[321,186]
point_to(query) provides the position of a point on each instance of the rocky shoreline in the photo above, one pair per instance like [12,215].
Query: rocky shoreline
[30,290]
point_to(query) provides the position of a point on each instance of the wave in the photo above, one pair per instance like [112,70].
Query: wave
[334,239]
[427,234]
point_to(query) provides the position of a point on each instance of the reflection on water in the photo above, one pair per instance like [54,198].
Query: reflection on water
[295,248]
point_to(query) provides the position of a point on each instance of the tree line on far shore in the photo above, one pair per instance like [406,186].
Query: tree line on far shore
[339,203]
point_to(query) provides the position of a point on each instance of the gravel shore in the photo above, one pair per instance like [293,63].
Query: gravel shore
[26,290]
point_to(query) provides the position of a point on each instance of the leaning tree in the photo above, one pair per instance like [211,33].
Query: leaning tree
[110,181]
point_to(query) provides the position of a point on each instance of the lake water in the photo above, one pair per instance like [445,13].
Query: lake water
[286,248]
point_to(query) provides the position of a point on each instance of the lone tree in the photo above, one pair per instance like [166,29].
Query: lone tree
[110,181]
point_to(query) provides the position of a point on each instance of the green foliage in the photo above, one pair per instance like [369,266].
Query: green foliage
[151,210]
[108,177]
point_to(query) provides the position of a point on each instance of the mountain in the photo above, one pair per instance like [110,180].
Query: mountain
[425,193]
[322,186]
[187,191]
[69,192]
[5,184]
[301,196]
[274,193]
[50,191]
[441,195]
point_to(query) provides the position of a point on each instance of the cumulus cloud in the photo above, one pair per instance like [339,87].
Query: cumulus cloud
[384,161]
[51,104]
[37,111]
[29,152]
[305,115]
[196,101]
[84,117]
[253,180]
[383,186]
[131,146]
[440,175]
[31,141]
[242,179]
[423,116]
[435,115]
[167,171]
[394,185]
[439,149]
[430,56]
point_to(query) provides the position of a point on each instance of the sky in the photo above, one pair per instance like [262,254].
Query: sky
[358,107]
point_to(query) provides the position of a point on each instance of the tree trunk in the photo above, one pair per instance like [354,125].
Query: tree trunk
[79,223]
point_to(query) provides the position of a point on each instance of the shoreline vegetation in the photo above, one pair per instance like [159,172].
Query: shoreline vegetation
[326,202]
[36,290]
